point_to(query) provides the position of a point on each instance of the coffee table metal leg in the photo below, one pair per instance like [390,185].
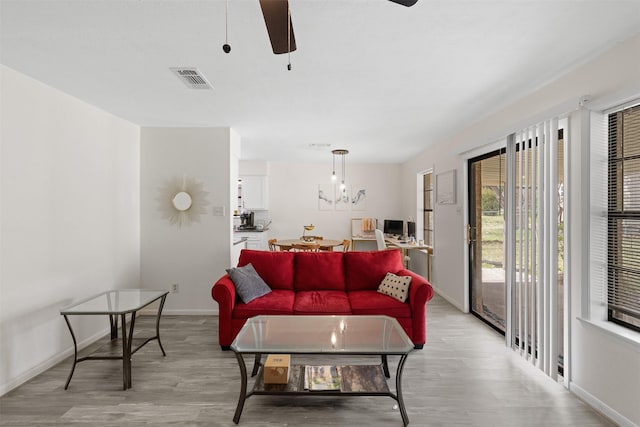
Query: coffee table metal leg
[75,352]
[256,364]
[385,366]
[403,410]
[243,388]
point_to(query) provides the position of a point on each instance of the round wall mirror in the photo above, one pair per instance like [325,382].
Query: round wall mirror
[182,201]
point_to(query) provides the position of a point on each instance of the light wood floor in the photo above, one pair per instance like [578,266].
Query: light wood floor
[463,377]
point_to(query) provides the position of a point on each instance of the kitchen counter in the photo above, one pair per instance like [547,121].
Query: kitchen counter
[256,239]
[240,240]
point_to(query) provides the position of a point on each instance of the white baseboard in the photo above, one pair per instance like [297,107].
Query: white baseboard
[600,406]
[154,311]
[49,363]
[449,299]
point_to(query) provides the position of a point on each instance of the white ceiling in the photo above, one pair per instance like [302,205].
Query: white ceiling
[377,78]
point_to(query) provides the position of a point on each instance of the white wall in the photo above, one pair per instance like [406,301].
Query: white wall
[604,369]
[293,197]
[193,256]
[70,220]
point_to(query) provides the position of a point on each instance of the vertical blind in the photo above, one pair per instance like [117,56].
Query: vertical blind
[534,210]
[623,218]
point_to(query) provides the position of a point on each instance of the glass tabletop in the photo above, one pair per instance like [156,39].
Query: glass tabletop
[322,334]
[115,302]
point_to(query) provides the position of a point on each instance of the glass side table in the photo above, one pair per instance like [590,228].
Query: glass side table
[113,304]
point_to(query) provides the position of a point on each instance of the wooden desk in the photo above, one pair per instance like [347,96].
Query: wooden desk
[329,243]
[361,238]
[406,246]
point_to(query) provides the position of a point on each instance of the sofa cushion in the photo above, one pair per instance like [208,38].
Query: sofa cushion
[395,286]
[319,271]
[321,302]
[374,303]
[365,270]
[275,302]
[275,267]
[249,285]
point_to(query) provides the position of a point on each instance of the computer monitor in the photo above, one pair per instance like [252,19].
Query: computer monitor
[393,226]
[411,229]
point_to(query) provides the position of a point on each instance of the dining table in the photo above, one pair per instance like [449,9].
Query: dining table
[325,244]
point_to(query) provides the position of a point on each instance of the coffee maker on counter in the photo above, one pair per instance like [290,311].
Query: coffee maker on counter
[246,221]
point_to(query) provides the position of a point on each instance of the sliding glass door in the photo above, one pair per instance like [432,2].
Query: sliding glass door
[485,237]
[516,249]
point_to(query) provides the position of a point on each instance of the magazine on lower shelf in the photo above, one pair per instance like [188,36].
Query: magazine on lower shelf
[322,378]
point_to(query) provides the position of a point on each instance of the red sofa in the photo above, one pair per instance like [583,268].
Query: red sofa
[332,283]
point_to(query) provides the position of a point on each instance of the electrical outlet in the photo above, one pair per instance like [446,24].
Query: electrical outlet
[175,288]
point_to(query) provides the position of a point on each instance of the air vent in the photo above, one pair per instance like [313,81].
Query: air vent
[192,77]
[321,146]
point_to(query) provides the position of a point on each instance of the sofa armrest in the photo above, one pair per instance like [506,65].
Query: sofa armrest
[224,292]
[420,292]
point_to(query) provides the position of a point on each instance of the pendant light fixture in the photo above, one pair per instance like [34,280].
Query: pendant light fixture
[334,178]
[340,152]
[226,47]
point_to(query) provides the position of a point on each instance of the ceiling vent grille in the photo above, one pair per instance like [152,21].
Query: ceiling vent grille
[192,77]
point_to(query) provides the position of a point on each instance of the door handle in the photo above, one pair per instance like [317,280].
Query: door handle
[469,239]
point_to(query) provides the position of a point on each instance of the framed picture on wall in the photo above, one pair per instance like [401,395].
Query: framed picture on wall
[326,197]
[343,199]
[358,199]
[446,188]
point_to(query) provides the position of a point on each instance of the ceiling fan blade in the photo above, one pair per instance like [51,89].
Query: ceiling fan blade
[407,3]
[276,18]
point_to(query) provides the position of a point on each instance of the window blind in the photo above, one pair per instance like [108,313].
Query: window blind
[623,218]
[534,238]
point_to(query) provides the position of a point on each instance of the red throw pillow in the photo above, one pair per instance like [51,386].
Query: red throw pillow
[365,270]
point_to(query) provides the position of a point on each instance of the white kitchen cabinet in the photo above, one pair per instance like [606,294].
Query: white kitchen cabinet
[255,240]
[255,192]
[235,252]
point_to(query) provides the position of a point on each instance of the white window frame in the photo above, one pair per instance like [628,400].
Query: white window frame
[594,160]
[420,205]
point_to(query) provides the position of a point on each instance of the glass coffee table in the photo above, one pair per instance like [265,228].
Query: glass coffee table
[325,336]
[117,303]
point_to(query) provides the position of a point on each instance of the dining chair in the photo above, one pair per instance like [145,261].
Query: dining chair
[272,245]
[380,240]
[306,247]
[345,245]
[382,244]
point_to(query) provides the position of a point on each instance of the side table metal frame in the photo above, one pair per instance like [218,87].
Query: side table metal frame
[127,340]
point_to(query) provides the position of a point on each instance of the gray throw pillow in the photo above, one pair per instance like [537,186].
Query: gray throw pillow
[249,285]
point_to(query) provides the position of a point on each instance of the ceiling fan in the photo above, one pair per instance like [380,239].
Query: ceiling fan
[280,28]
